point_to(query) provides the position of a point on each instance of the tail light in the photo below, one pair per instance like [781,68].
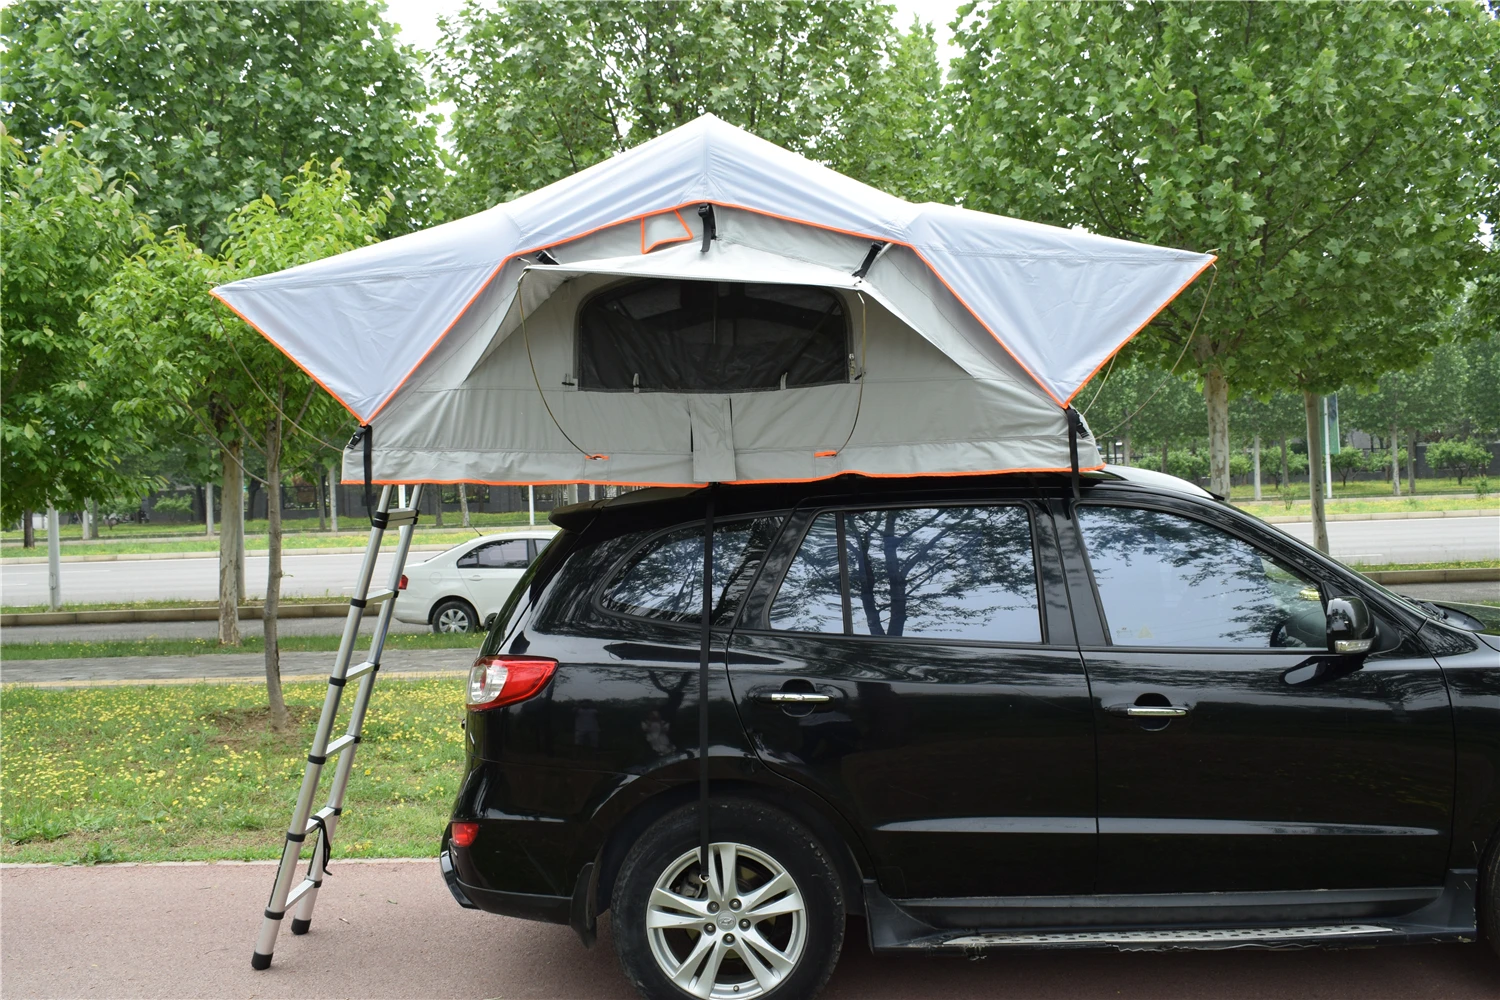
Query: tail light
[464,833]
[402,584]
[505,680]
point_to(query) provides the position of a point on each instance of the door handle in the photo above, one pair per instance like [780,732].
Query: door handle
[1148,711]
[794,698]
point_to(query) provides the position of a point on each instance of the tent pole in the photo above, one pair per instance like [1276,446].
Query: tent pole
[705,642]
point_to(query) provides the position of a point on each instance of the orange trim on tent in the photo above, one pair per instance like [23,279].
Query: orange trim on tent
[675,239]
[246,320]
[1212,258]
[733,482]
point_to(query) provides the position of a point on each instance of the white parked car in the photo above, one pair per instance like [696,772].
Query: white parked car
[457,590]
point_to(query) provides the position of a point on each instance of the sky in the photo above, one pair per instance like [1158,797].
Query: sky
[418,21]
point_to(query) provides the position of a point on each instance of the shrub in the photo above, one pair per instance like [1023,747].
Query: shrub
[1186,465]
[1296,463]
[174,503]
[1380,461]
[1241,464]
[1461,458]
[1481,486]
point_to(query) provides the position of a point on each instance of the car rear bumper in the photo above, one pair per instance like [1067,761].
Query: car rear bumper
[526,905]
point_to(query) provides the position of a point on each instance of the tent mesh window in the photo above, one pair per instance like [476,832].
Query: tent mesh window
[668,335]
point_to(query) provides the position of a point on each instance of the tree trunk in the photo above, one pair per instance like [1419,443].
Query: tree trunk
[1257,466]
[208,509]
[91,520]
[54,560]
[320,500]
[463,502]
[28,530]
[1216,396]
[273,570]
[1395,442]
[1314,414]
[437,505]
[1411,465]
[1164,456]
[1126,440]
[230,529]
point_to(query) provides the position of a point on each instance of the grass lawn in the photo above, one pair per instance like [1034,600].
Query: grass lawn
[1302,508]
[1459,564]
[193,772]
[1358,487]
[252,644]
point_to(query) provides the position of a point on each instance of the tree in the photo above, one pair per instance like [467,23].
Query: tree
[213,104]
[1415,402]
[1461,458]
[1276,418]
[543,90]
[1481,397]
[67,225]
[189,358]
[1336,158]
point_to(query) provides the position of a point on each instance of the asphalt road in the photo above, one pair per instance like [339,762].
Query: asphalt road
[1415,540]
[387,929]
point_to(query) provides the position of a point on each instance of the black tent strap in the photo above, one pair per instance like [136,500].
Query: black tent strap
[323,841]
[869,260]
[710,231]
[1074,420]
[705,642]
[366,434]
[545,257]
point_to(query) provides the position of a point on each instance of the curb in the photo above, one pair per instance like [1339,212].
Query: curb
[1399,515]
[258,862]
[394,675]
[247,612]
[1475,574]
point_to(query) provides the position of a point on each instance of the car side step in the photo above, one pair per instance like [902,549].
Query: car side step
[1227,937]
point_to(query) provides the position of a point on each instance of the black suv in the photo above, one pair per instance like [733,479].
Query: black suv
[981,713]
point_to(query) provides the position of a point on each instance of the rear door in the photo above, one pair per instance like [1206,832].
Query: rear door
[905,663]
[490,572]
[1267,764]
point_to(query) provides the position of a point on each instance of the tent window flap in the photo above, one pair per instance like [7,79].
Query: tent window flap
[670,335]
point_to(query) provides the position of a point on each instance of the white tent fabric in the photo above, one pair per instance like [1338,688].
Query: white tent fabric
[978,329]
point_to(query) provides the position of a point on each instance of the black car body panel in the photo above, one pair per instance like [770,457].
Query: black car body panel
[970,783]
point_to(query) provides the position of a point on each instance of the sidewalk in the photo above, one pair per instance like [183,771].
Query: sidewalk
[220,667]
[389,929]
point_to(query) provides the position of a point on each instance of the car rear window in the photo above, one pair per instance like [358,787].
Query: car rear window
[663,579]
[509,554]
[922,572]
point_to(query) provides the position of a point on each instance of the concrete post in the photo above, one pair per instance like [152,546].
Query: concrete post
[54,561]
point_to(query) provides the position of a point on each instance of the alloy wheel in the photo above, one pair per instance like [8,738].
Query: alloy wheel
[737,934]
[453,620]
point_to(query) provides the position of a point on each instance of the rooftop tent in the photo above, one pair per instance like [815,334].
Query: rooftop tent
[711,307]
[705,308]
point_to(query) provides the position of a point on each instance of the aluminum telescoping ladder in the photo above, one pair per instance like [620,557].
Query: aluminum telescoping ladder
[284,896]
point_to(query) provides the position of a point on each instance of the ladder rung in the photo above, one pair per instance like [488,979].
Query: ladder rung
[379,597]
[298,891]
[400,516]
[322,814]
[356,673]
[339,744]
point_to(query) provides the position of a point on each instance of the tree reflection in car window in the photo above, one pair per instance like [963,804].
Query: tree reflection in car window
[934,572]
[1167,580]
[665,579]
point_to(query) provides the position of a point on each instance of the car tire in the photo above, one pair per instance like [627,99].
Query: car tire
[454,615]
[787,955]
[1487,905]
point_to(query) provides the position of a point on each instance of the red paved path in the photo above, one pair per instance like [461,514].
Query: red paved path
[187,930]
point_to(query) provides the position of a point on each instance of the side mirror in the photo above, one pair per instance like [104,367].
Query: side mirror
[489,620]
[1350,630]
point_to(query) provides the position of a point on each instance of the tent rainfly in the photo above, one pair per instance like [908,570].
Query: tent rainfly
[705,308]
[709,307]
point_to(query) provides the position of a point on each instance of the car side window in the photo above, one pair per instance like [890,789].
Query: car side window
[664,580]
[963,573]
[510,554]
[1168,580]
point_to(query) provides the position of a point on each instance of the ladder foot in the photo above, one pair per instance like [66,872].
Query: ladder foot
[259,961]
[300,926]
